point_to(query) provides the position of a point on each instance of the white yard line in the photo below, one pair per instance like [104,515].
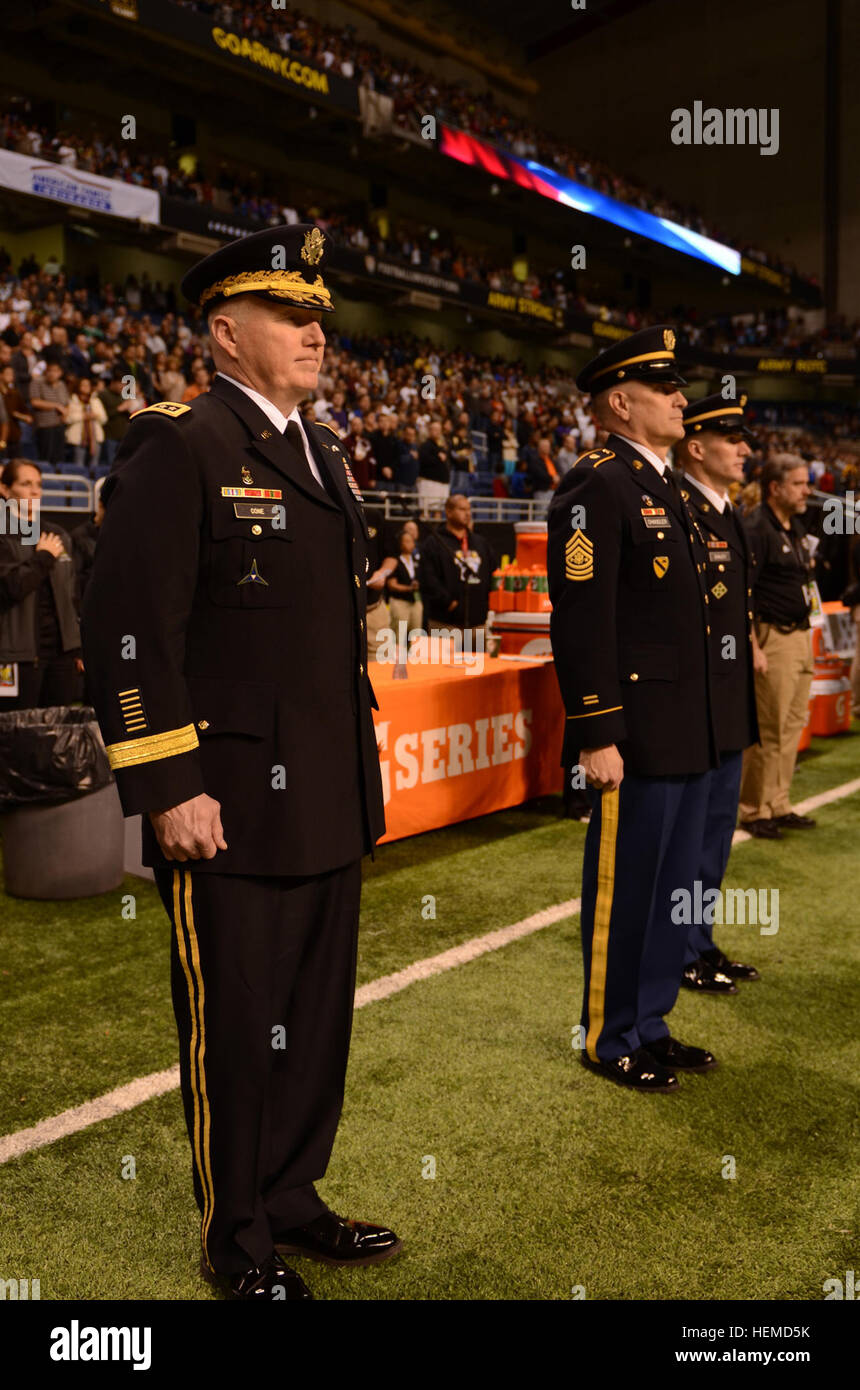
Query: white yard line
[145,1088]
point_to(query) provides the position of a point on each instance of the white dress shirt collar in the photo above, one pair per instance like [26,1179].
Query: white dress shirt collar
[278,419]
[653,459]
[716,499]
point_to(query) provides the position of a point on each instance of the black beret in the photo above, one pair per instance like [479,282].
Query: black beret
[718,414]
[645,356]
[281,263]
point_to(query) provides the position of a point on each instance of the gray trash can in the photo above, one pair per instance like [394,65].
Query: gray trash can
[62,823]
[74,850]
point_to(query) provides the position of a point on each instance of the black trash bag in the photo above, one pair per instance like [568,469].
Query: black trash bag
[50,755]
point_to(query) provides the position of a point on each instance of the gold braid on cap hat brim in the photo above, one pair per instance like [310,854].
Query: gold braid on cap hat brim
[285,284]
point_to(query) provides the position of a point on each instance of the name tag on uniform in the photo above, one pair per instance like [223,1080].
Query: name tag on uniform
[267,510]
[251,492]
[655,517]
[719,550]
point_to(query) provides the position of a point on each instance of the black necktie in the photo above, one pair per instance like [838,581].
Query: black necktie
[293,436]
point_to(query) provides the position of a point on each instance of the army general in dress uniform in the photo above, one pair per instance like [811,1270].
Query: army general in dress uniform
[716,442]
[629,634]
[225,646]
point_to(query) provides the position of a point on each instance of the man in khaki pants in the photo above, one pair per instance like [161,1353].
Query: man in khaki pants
[781,577]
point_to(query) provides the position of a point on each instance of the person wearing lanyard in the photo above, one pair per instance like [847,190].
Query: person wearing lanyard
[782,567]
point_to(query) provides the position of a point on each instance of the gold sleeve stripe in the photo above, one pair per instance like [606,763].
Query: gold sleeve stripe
[591,712]
[147,750]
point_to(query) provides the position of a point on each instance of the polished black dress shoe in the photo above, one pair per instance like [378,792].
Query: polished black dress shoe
[732,968]
[638,1070]
[703,977]
[792,821]
[272,1282]
[762,829]
[671,1053]
[334,1241]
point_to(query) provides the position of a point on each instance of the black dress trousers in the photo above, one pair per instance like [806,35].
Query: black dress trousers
[263,982]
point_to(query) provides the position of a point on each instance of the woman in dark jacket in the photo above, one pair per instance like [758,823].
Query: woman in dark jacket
[40,640]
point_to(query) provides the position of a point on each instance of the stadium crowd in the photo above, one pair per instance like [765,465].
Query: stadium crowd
[76,359]
[430,249]
[415,92]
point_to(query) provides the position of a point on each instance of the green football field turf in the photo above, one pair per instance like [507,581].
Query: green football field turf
[547,1179]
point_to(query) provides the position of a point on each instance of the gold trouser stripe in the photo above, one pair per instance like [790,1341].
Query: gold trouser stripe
[147,750]
[183,917]
[591,712]
[602,914]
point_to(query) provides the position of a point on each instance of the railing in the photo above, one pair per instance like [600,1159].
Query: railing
[69,492]
[407,506]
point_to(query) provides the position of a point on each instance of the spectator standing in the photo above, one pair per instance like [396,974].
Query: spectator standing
[454,572]
[543,474]
[781,604]
[50,402]
[408,456]
[17,412]
[39,628]
[386,451]
[118,411]
[170,382]
[434,468]
[85,422]
[462,455]
[200,383]
[405,604]
[567,455]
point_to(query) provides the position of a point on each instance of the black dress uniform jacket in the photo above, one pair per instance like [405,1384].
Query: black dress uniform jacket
[729,599]
[630,615]
[226,654]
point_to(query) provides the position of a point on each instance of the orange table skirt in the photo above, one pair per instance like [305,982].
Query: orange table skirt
[456,742]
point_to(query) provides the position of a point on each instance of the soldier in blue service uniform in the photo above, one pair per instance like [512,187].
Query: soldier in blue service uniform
[627,576]
[225,646]
[712,453]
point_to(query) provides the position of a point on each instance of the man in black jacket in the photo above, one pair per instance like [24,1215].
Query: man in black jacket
[225,643]
[712,454]
[454,572]
[434,466]
[629,632]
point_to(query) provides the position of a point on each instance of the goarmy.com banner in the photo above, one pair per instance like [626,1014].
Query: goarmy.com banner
[168,21]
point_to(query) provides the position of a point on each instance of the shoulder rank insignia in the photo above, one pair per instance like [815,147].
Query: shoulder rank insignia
[596,456]
[579,557]
[162,408]
[323,426]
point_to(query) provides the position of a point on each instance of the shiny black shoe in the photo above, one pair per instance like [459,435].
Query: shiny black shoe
[792,821]
[732,968]
[671,1053]
[638,1070]
[762,829]
[334,1241]
[271,1282]
[701,976]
